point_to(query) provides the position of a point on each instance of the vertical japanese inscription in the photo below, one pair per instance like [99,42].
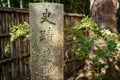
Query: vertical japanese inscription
[47,55]
[46,35]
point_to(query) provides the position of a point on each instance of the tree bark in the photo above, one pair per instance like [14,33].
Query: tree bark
[104,12]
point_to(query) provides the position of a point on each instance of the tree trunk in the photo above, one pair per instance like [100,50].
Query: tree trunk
[104,12]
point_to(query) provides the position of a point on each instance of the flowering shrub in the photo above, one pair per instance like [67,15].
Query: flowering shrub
[94,45]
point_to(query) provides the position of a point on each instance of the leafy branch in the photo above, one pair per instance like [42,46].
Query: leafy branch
[93,43]
[20,30]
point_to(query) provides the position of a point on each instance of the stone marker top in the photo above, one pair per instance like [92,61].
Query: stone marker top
[48,10]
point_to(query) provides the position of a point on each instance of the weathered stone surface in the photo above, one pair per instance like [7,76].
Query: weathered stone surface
[46,41]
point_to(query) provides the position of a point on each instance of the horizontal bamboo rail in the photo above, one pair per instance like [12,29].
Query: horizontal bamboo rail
[6,9]
[4,35]
[14,58]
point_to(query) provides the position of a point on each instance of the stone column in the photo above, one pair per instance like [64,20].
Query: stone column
[46,41]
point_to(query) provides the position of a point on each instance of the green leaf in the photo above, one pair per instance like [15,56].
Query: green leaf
[20,30]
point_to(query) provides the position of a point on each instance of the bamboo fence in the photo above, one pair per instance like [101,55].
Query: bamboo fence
[14,56]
